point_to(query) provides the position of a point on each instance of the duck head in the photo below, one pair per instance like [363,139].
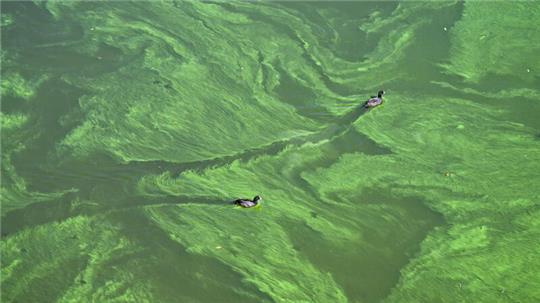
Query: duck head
[257,199]
[380,93]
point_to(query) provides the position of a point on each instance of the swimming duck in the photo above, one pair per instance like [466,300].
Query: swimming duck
[247,203]
[374,101]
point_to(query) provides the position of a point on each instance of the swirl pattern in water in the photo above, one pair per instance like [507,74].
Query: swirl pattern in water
[129,128]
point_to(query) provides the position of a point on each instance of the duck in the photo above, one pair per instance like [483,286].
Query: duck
[247,203]
[374,101]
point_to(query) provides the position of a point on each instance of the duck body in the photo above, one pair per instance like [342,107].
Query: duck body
[374,101]
[247,203]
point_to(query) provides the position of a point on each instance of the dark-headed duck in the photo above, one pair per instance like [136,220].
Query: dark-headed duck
[247,203]
[374,101]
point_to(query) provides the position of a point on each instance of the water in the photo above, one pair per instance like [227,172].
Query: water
[128,128]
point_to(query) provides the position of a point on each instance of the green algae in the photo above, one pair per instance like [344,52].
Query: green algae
[334,223]
[94,259]
[213,94]
[490,183]
[7,20]
[128,129]
[14,190]
[14,85]
[487,39]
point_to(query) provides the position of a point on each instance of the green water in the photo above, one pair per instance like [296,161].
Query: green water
[129,127]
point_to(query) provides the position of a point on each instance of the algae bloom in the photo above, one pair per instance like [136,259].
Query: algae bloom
[129,128]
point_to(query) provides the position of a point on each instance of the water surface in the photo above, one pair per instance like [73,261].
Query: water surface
[128,128]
